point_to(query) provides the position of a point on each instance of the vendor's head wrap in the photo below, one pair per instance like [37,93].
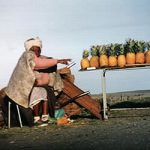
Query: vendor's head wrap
[32,42]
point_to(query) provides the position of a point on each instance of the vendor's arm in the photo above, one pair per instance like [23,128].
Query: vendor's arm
[63,61]
[42,63]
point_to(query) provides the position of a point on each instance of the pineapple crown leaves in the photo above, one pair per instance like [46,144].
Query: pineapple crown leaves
[141,46]
[102,50]
[98,47]
[85,53]
[94,51]
[120,50]
[111,49]
[147,46]
[130,46]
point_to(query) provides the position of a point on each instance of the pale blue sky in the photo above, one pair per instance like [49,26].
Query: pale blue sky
[66,27]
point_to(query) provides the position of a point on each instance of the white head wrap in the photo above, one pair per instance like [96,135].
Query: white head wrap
[32,42]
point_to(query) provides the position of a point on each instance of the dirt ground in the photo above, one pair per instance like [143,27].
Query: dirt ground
[128,130]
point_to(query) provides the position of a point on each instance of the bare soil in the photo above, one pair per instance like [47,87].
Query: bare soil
[124,130]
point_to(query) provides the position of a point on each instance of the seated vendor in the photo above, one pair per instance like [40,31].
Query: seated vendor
[26,86]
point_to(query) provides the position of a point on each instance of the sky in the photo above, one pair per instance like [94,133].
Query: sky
[67,27]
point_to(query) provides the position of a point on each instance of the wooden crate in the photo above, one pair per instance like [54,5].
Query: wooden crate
[71,90]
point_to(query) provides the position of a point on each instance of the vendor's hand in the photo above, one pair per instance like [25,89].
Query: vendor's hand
[64,61]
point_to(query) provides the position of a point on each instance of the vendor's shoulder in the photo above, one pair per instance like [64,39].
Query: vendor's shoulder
[28,53]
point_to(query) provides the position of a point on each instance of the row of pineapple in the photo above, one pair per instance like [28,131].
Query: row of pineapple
[116,55]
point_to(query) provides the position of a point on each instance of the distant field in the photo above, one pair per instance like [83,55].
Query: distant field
[127,99]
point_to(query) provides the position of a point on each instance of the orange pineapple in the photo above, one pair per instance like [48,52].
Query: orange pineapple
[94,60]
[130,51]
[84,63]
[112,59]
[103,58]
[147,53]
[140,56]
[121,56]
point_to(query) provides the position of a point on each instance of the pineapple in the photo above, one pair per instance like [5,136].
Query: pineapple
[103,58]
[112,59]
[94,60]
[147,53]
[121,56]
[85,61]
[130,51]
[140,56]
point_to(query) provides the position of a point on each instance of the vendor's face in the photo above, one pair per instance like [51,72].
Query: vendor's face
[36,50]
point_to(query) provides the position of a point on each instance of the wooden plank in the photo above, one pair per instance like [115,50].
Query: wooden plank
[111,68]
[86,101]
[137,65]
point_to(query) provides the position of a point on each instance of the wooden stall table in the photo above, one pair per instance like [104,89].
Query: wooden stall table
[103,80]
